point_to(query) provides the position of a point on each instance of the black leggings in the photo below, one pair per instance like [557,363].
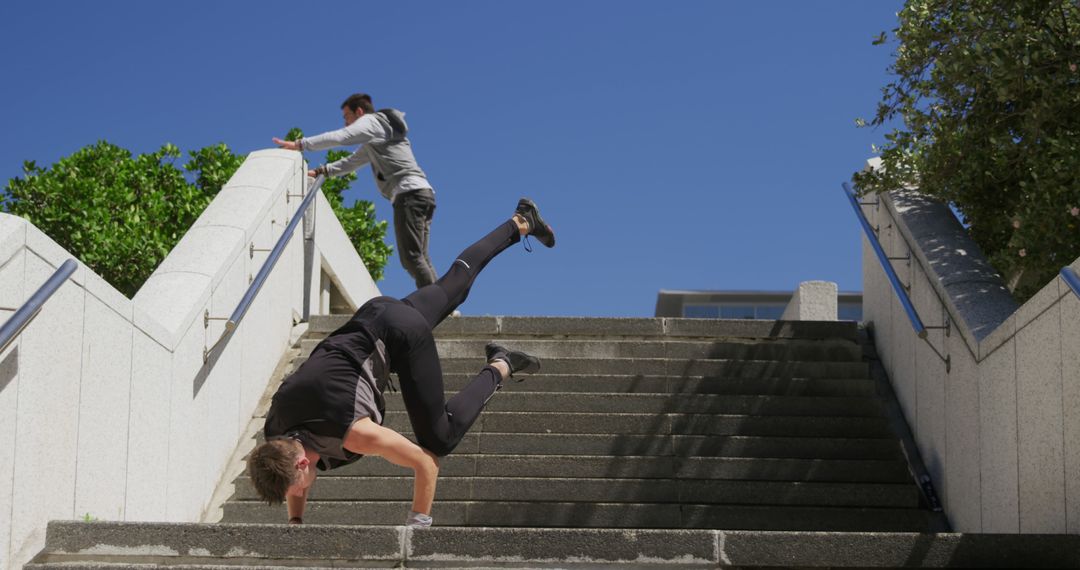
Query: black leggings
[439,424]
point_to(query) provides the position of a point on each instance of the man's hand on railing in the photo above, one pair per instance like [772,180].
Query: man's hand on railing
[287,145]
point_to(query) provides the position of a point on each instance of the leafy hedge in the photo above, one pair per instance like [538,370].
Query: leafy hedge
[121,214]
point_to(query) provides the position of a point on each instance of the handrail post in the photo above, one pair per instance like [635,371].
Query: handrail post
[309,258]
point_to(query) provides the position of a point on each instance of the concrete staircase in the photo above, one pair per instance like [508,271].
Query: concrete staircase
[630,425]
[690,443]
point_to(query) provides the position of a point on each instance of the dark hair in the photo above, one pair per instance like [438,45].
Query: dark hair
[272,468]
[359,101]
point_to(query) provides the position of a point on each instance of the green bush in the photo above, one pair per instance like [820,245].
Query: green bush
[989,94]
[122,214]
[366,233]
[213,167]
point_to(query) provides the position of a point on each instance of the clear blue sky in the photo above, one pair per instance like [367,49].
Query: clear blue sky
[672,145]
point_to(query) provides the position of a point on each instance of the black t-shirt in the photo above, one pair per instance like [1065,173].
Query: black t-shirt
[341,382]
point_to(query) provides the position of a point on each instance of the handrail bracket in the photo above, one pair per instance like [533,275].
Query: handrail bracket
[252,249]
[207,318]
[902,290]
[947,327]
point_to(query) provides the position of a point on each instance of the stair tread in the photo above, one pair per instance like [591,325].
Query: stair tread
[324,545]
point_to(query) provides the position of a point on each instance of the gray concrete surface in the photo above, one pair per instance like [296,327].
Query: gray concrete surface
[991,425]
[580,467]
[76,545]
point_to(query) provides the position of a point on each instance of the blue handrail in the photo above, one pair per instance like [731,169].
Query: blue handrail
[905,301]
[268,265]
[30,309]
[1071,279]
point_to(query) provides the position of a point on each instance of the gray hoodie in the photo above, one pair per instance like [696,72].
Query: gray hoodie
[383,146]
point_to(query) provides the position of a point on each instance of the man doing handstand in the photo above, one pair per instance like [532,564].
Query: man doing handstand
[330,411]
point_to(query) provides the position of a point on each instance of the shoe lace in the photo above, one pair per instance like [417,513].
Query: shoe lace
[527,244]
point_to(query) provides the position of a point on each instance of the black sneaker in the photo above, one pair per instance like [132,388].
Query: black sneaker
[537,227]
[517,361]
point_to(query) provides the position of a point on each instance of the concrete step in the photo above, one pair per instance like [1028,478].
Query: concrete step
[673,367]
[665,424]
[184,562]
[611,490]
[598,515]
[622,384]
[682,367]
[645,467]
[657,384]
[682,446]
[679,446]
[179,562]
[174,544]
[762,408]
[511,400]
[836,351]
[623,327]
[122,545]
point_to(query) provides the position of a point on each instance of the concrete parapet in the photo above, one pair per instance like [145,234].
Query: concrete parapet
[107,408]
[984,391]
[812,301]
[339,260]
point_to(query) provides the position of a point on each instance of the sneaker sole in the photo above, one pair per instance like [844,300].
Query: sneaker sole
[547,226]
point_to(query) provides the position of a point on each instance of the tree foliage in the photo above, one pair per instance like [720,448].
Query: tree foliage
[213,166]
[367,234]
[989,94]
[121,214]
[118,213]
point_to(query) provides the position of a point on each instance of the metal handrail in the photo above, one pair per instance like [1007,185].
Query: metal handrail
[913,316]
[30,309]
[275,253]
[1068,274]
[901,292]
